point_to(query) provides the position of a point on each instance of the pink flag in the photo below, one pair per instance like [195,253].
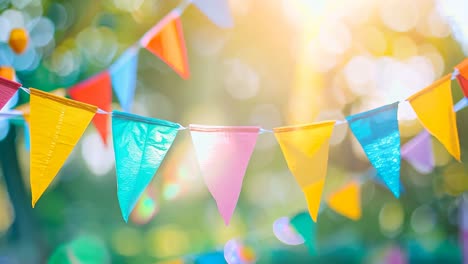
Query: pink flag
[7,90]
[418,152]
[223,154]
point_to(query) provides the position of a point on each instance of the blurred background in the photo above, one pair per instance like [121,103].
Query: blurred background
[284,62]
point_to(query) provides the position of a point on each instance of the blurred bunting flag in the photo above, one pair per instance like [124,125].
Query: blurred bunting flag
[347,201]
[377,132]
[123,74]
[97,91]
[140,145]
[304,225]
[305,149]
[462,68]
[418,152]
[463,82]
[8,88]
[217,11]
[166,40]
[434,108]
[56,126]
[223,154]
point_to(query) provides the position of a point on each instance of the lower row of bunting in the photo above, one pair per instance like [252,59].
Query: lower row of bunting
[141,143]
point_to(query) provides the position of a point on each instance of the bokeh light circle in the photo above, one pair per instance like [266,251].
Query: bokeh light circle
[423,219]
[145,209]
[285,233]
[235,252]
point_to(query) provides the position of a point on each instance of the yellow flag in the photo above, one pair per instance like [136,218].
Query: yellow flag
[434,108]
[56,126]
[347,201]
[305,149]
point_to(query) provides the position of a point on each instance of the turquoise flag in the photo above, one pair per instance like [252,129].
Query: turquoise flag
[304,225]
[140,145]
[123,75]
[377,132]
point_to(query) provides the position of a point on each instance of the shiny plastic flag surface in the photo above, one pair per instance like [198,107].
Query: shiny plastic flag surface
[434,108]
[223,154]
[378,133]
[140,145]
[305,149]
[56,126]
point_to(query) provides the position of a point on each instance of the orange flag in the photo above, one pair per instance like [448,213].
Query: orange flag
[434,108]
[305,149]
[462,68]
[97,91]
[56,125]
[166,40]
[347,201]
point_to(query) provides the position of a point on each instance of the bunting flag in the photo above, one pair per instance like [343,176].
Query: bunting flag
[97,91]
[434,107]
[140,145]
[123,74]
[305,149]
[304,225]
[223,154]
[418,152]
[377,132]
[166,40]
[56,126]
[463,82]
[8,88]
[347,201]
[217,11]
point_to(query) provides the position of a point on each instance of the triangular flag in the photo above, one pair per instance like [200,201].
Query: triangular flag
[25,109]
[140,145]
[462,68]
[434,108]
[97,91]
[418,152]
[8,88]
[463,84]
[123,74]
[223,154]
[56,126]
[347,200]
[377,132]
[217,11]
[304,225]
[305,149]
[166,40]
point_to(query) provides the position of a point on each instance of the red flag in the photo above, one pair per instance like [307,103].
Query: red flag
[463,84]
[166,40]
[7,90]
[97,91]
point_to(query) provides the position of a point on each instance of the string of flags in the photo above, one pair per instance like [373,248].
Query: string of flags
[223,152]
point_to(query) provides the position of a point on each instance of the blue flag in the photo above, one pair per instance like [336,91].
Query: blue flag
[123,75]
[140,145]
[217,11]
[377,132]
